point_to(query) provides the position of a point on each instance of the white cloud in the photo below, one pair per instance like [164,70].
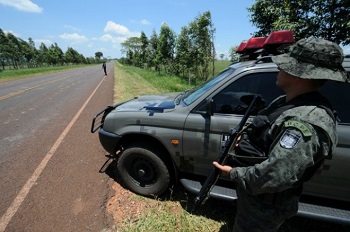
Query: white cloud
[74,38]
[70,27]
[112,27]
[142,22]
[110,38]
[22,5]
[12,32]
[145,22]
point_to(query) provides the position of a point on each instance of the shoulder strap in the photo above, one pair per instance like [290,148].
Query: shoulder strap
[308,99]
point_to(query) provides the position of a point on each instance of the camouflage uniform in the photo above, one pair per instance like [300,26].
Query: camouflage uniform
[301,137]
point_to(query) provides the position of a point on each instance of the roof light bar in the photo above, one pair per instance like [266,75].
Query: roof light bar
[265,46]
[241,47]
[255,43]
[280,37]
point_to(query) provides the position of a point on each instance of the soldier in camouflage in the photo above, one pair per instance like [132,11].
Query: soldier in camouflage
[297,139]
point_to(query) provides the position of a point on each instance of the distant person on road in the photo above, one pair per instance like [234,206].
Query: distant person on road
[104,68]
[295,133]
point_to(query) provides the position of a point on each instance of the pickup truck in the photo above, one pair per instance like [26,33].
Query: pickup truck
[162,140]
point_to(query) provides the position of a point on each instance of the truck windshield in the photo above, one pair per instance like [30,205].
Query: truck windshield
[195,94]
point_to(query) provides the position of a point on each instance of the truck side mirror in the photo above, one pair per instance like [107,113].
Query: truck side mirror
[210,107]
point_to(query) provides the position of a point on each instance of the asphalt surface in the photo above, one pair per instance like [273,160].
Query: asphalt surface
[49,160]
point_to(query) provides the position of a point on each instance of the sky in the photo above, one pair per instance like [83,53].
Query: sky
[90,26]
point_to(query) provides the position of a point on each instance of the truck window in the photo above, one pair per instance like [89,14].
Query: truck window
[228,100]
[194,95]
[338,94]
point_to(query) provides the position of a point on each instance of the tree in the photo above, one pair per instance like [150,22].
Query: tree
[183,54]
[152,50]
[55,55]
[3,50]
[327,19]
[43,54]
[14,52]
[19,53]
[132,48]
[98,55]
[73,57]
[202,39]
[33,53]
[166,46]
[192,51]
[233,55]
[144,48]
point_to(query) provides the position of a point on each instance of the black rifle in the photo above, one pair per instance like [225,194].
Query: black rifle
[203,194]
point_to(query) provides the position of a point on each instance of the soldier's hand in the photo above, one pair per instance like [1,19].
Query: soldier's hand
[225,169]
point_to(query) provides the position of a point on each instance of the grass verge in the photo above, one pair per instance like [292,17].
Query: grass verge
[14,74]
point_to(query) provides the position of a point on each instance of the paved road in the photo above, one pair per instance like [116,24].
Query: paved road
[49,160]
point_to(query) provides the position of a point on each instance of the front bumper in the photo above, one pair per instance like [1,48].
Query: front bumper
[108,140]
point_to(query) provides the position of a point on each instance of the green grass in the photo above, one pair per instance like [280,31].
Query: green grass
[221,65]
[132,81]
[13,74]
[163,82]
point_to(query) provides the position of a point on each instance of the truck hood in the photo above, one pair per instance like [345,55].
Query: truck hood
[149,103]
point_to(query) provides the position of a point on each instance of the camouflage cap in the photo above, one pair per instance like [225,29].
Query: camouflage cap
[313,58]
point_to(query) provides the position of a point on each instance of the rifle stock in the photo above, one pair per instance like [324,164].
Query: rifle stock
[214,175]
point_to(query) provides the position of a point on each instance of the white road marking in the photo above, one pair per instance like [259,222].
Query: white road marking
[6,218]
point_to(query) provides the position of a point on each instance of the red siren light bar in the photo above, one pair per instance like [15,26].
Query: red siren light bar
[265,45]
[280,37]
[255,43]
[252,44]
[241,47]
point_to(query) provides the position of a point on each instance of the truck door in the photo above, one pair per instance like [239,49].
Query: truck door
[204,135]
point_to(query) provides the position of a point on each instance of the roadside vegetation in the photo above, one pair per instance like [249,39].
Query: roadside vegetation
[133,81]
[16,53]
[191,51]
[13,74]
[173,211]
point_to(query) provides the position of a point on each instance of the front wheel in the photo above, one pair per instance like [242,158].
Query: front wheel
[143,172]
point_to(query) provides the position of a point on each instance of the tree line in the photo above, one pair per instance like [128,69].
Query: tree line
[327,19]
[192,52]
[16,53]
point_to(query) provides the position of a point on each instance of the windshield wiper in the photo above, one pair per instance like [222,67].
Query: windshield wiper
[181,96]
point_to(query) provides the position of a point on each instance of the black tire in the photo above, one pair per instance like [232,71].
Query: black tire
[143,172]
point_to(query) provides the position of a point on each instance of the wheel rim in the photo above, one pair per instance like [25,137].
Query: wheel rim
[143,170]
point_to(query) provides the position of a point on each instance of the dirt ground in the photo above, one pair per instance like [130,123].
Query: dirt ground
[125,207]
